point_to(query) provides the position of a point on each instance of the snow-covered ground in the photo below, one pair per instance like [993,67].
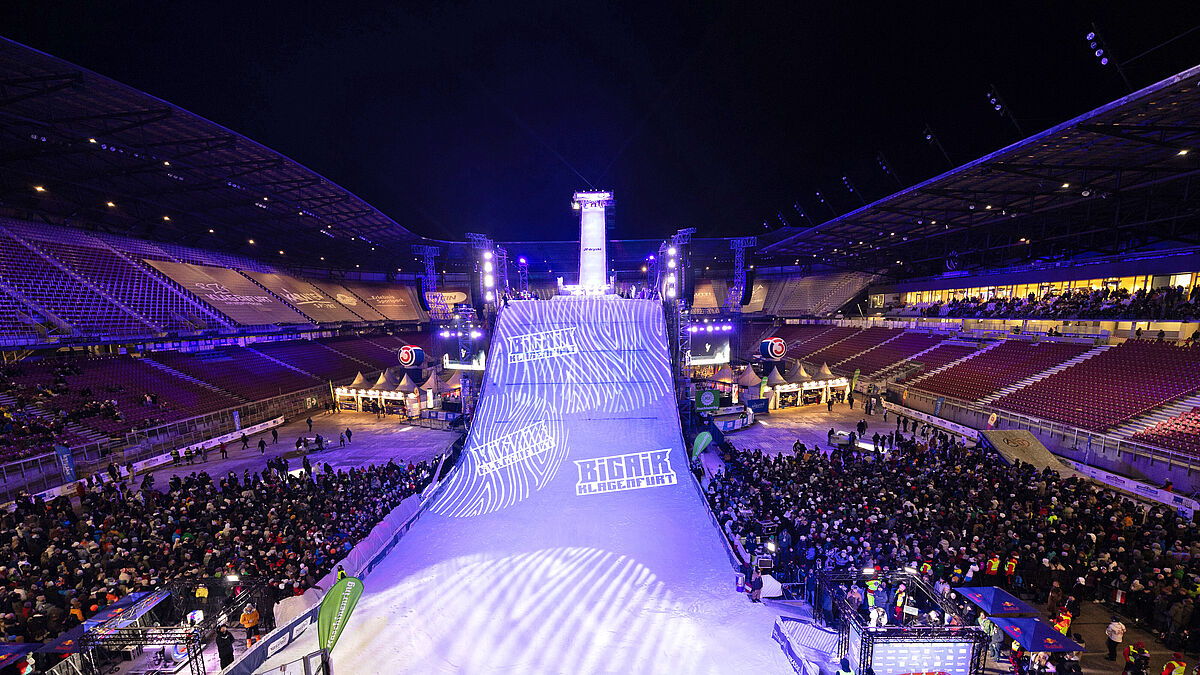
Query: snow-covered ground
[524,565]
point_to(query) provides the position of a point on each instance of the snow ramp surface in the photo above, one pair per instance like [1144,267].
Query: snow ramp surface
[569,539]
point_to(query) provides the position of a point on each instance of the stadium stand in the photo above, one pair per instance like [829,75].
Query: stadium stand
[938,357]
[1180,433]
[113,394]
[813,296]
[364,350]
[882,356]
[1111,387]
[63,294]
[313,358]
[855,344]
[993,369]
[238,370]
[814,344]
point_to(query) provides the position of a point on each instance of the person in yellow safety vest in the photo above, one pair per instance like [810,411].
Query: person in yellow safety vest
[1010,570]
[1132,652]
[926,567]
[1062,622]
[1175,666]
[341,572]
[873,587]
[249,621]
[844,668]
[899,603]
[993,567]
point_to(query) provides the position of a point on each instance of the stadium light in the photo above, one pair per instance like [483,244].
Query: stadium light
[251,242]
[671,251]
[111,205]
[39,188]
[1182,152]
[167,219]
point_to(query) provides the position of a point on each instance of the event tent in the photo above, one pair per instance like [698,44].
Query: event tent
[996,601]
[1036,635]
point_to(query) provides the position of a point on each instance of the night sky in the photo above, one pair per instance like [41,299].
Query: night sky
[486,116]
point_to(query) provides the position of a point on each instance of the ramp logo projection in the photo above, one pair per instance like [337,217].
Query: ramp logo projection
[510,449]
[618,473]
[538,346]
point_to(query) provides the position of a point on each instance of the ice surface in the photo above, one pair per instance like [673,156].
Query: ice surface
[512,572]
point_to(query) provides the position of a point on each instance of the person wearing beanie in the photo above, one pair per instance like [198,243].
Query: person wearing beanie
[844,668]
[1115,634]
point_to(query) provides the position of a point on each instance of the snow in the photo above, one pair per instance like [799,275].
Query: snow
[512,572]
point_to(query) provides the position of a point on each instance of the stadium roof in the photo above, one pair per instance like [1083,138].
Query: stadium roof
[1116,179]
[78,147]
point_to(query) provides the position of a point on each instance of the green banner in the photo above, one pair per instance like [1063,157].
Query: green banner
[854,380]
[335,610]
[701,442]
[707,400]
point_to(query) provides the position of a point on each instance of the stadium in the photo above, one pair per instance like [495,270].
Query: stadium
[499,418]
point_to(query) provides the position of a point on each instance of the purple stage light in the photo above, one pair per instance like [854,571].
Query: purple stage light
[522,260]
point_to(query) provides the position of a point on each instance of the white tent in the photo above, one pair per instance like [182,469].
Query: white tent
[825,373]
[455,380]
[406,385]
[386,381]
[724,374]
[774,379]
[749,378]
[359,382]
[434,383]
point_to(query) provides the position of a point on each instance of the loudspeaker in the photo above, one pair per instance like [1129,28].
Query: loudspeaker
[476,294]
[748,292]
[421,295]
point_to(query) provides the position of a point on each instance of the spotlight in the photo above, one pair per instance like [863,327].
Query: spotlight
[771,546]
[111,205]
[521,260]
[1181,153]
[869,571]
[671,292]
[671,251]
[39,188]
[487,255]
[671,263]
[232,577]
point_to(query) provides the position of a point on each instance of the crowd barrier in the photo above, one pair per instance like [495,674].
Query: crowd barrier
[361,560]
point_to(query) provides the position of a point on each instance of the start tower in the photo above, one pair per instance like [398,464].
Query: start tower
[593,244]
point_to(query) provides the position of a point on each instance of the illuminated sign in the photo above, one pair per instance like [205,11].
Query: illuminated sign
[773,348]
[544,345]
[618,473]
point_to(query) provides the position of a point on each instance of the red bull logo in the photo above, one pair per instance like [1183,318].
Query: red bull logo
[773,348]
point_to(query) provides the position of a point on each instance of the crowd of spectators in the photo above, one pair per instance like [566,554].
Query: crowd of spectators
[63,560]
[1166,303]
[959,514]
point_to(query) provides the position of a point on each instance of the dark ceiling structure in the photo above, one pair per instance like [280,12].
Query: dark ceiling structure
[81,149]
[1119,178]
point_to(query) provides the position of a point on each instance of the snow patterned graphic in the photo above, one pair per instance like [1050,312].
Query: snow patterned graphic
[586,357]
[514,572]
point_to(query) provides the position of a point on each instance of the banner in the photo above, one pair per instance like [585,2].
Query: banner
[758,405]
[701,442]
[854,380]
[1184,505]
[707,400]
[310,300]
[393,301]
[347,299]
[937,406]
[66,463]
[230,293]
[938,422]
[335,611]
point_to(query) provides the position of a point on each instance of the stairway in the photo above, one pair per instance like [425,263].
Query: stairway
[1160,414]
[954,363]
[855,356]
[149,360]
[1044,374]
[87,433]
[890,369]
